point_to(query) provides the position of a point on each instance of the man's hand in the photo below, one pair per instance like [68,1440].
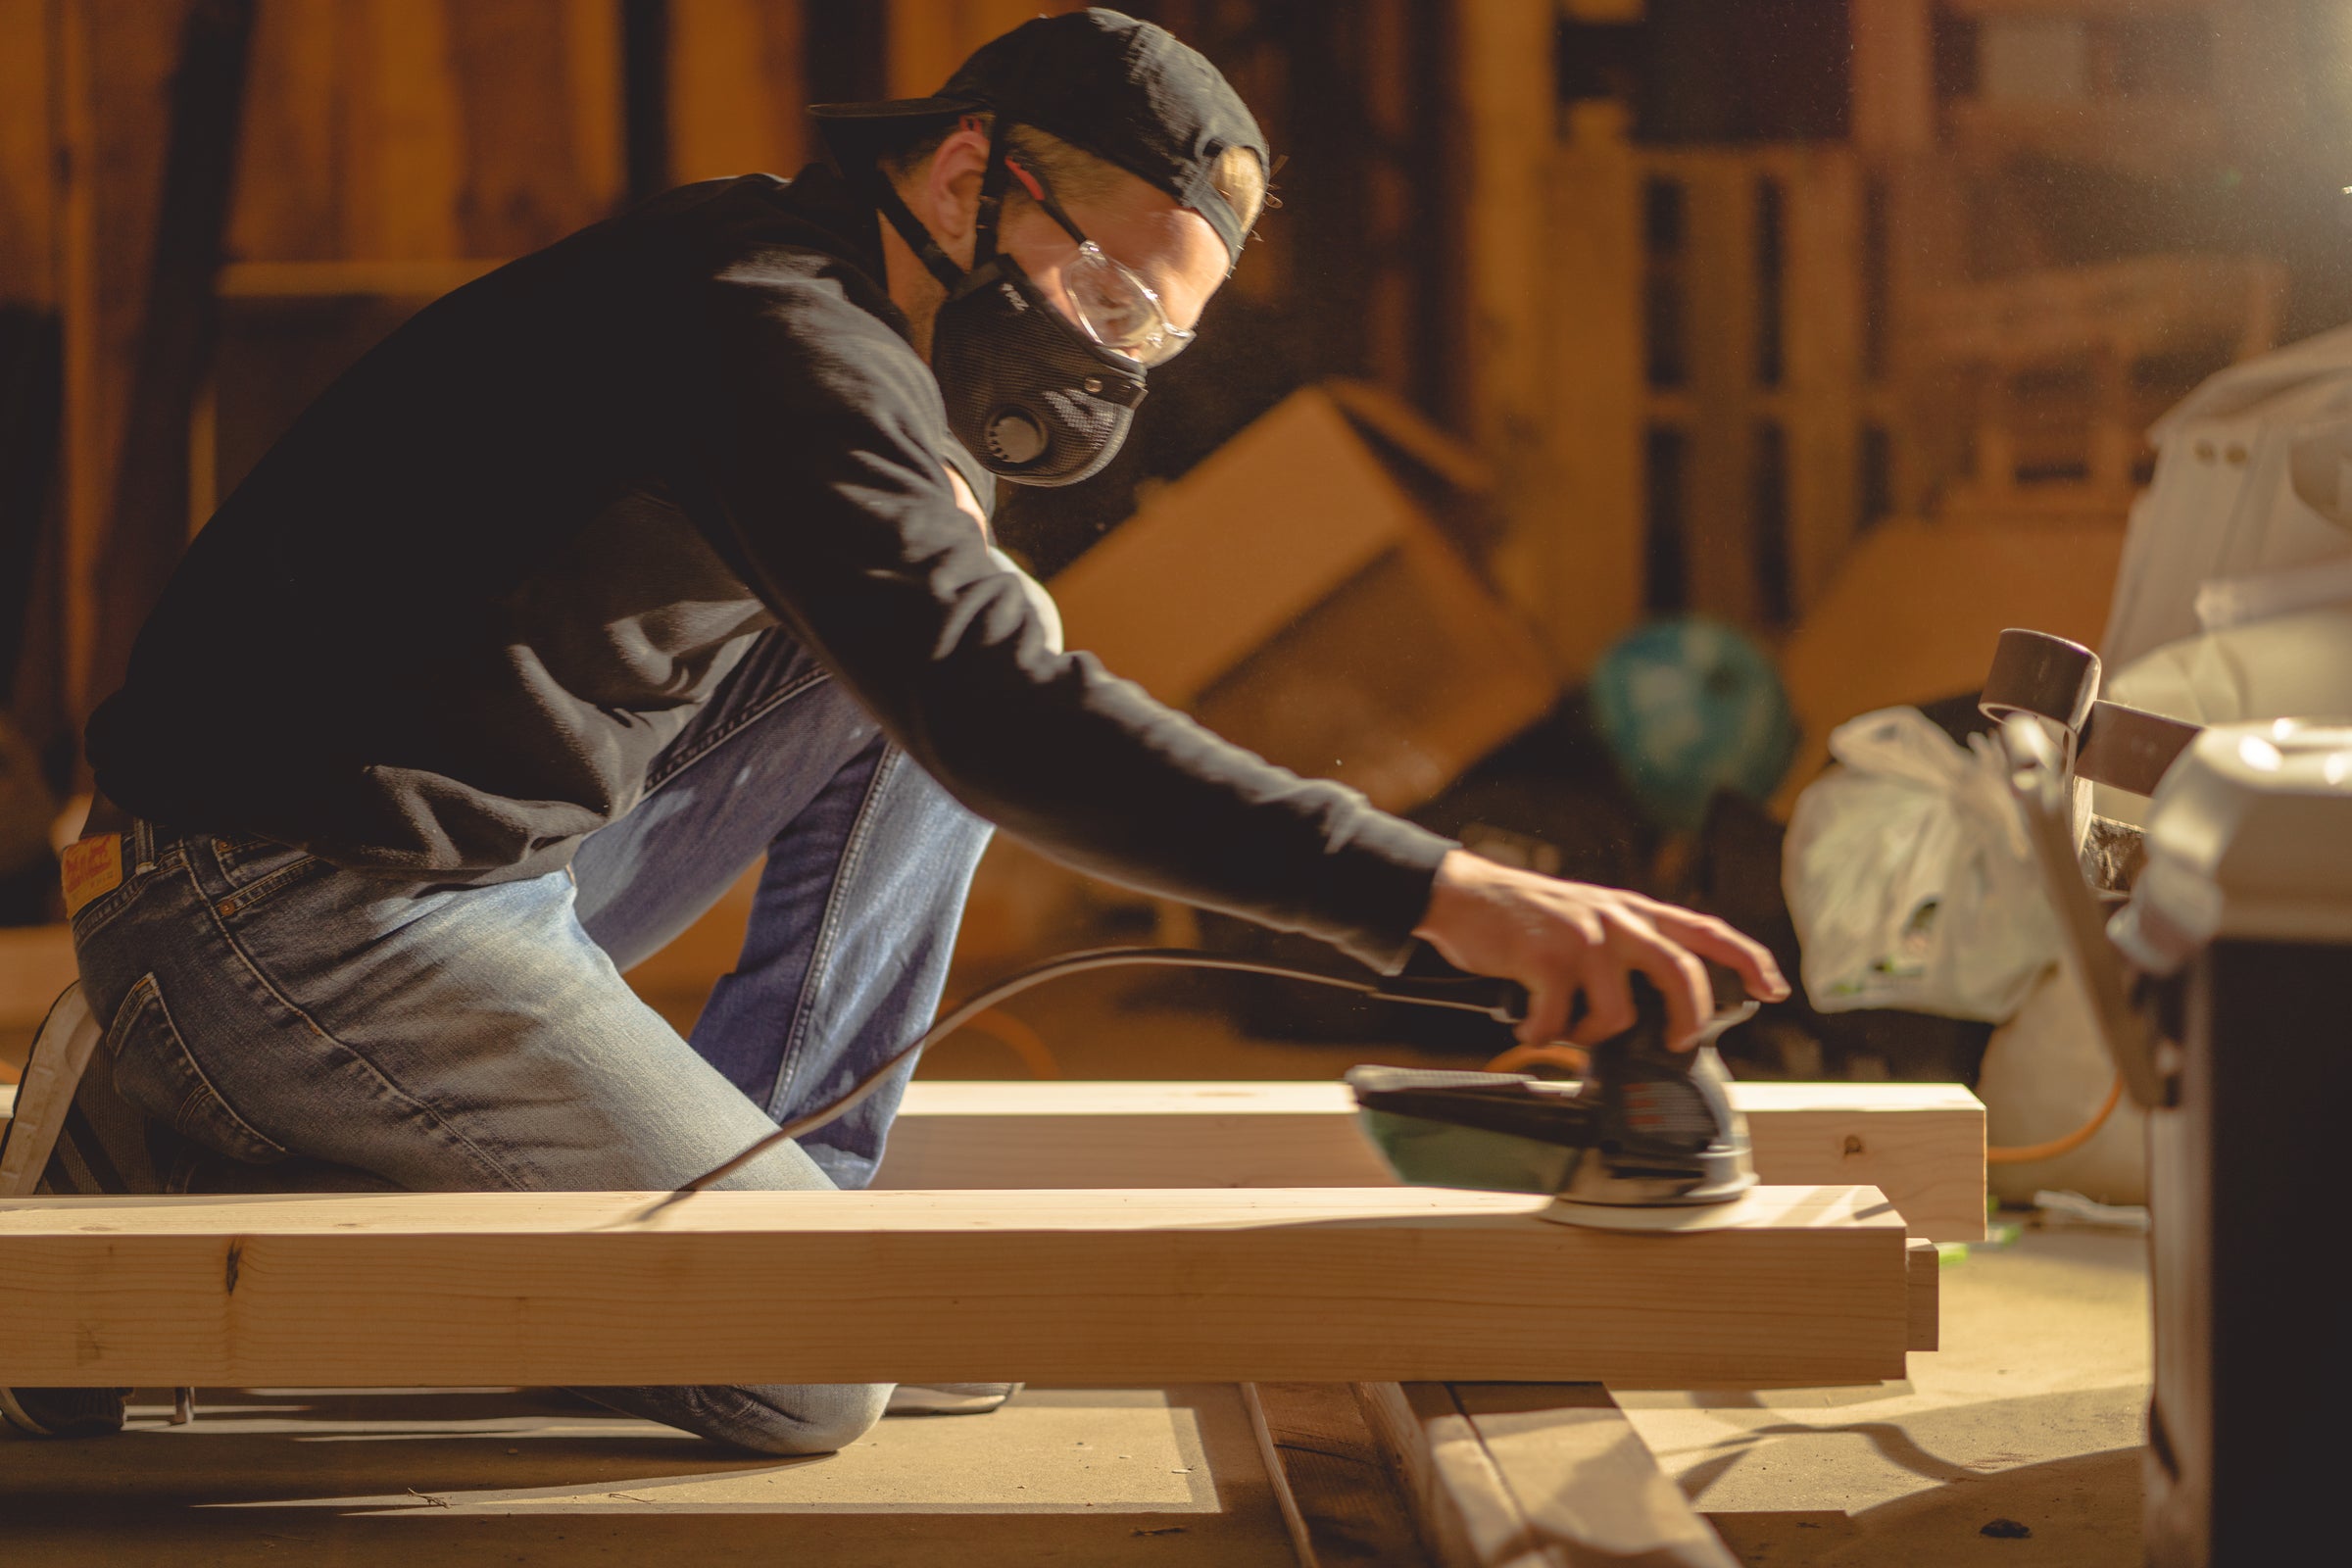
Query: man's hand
[1558,938]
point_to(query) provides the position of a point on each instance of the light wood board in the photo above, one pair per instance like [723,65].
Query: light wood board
[1331,1477]
[1922,1145]
[1534,1476]
[1808,1287]
[1926,1278]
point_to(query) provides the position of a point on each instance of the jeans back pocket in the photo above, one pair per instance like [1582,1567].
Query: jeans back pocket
[155,1072]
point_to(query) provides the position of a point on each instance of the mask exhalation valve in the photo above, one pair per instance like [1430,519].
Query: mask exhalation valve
[1016,436]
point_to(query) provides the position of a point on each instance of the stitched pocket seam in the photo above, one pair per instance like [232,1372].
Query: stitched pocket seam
[278,881]
[145,993]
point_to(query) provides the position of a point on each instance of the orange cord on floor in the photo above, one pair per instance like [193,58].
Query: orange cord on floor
[2027,1154]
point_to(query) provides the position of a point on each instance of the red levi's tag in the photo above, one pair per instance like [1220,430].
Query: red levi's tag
[92,868]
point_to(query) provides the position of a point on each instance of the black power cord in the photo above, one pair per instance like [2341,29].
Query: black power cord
[1501,999]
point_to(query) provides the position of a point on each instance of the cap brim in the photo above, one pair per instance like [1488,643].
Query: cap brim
[895,109]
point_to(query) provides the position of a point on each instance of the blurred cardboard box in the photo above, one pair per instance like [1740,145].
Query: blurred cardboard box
[1296,596]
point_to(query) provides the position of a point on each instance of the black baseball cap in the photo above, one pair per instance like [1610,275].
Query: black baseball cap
[1125,90]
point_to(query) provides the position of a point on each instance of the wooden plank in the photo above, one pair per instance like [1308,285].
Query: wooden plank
[1893,75]
[1576,565]
[1540,1476]
[1503,163]
[1330,1478]
[929,39]
[735,89]
[177,322]
[403,132]
[537,85]
[1924,1267]
[1821,409]
[1722,309]
[1923,1145]
[1923,1141]
[415,279]
[1806,1287]
[27,154]
[115,66]
[289,200]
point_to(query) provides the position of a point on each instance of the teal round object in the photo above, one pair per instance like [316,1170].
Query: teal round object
[1688,707]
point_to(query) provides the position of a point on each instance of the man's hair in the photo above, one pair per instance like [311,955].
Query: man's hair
[1076,175]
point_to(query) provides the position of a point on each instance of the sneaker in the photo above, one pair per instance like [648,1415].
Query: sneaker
[50,1145]
[64,1413]
[53,1075]
[949,1399]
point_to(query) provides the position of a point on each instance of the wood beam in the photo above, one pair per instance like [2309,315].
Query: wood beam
[1507,107]
[1534,1476]
[1923,1145]
[1331,1477]
[1924,1274]
[1809,1287]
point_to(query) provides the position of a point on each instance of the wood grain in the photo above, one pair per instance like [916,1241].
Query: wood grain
[1924,1267]
[1540,1476]
[27,154]
[1331,1477]
[1071,1287]
[736,97]
[1923,1145]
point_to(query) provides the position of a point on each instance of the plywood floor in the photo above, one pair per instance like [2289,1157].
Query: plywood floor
[1163,1477]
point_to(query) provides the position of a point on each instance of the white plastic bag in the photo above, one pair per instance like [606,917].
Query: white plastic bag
[1910,879]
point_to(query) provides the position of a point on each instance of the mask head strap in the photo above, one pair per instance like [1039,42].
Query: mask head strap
[886,200]
[992,193]
[888,203]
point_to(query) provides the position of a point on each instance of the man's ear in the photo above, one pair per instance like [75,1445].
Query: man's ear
[953,184]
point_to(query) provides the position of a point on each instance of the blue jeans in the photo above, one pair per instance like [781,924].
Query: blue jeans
[274,1007]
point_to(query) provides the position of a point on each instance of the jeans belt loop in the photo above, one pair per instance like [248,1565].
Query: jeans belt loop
[142,841]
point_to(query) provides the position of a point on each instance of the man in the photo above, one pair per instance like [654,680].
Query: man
[664,548]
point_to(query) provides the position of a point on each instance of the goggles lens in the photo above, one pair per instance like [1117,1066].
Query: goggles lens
[1118,310]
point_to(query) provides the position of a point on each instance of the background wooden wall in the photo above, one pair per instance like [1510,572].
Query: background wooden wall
[1467,222]
[388,150]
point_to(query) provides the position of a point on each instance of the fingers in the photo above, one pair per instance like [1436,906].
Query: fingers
[1548,1003]
[1608,999]
[1681,979]
[1711,938]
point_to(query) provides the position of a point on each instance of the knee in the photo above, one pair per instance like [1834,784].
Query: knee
[798,1419]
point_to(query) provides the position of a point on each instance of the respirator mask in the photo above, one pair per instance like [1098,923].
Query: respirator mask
[1037,398]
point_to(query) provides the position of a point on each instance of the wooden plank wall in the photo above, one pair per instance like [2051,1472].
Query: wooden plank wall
[376,131]
[28,279]
[427,130]
[391,147]
[1561,274]
[735,99]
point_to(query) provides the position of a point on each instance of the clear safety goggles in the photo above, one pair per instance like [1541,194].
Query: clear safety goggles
[1113,306]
